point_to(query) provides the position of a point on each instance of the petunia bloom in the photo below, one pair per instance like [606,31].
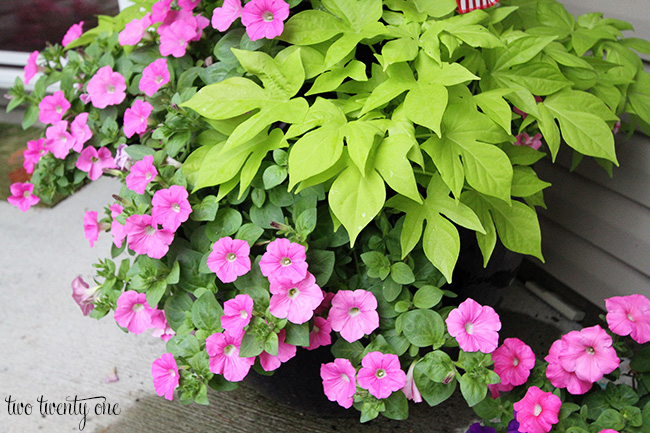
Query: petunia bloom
[229,259]
[538,411]
[224,16]
[171,207]
[286,351]
[284,260]
[295,301]
[142,173]
[91,227]
[381,374]
[474,326]
[83,295]
[94,161]
[144,237]
[175,36]
[162,329]
[154,76]
[410,389]
[264,18]
[320,335]
[136,116]
[589,353]
[22,196]
[237,314]
[561,377]
[164,371]
[223,350]
[339,383]
[513,361]
[59,141]
[52,108]
[135,30]
[629,315]
[73,33]
[133,312]
[31,68]
[80,131]
[353,314]
[159,10]
[534,142]
[36,149]
[106,88]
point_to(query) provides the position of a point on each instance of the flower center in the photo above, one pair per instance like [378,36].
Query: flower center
[345,378]
[229,350]
[110,88]
[172,373]
[590,350]
[94,159]
[150,230]
[137,307]
[293,293]
[380,373]
[159,79]
[538,409]
[285,261]
[177,208]
[267,16]
[469,328]
[243,314]
[630,318]
[58,109]
[26,194]
[354,311]
[231,257]
[148,176]
[515,362]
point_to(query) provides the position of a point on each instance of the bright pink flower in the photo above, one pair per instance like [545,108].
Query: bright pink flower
[135,30]
[475,327]
[94,161]
[320,334]
[513,361]
[229,259]
[133,312]
[237,314]
[52,108]
[524,139]
[135,118]
[410,389]
[286,351]
[142,172]
[154,76]
[521,113]
[175,37]
[353,314]
[608,430]
[144,237]
[91,227]
[559,376]
[106,88]
[339,381]
[223,17]
[117,229]
[223,350]
[381,374]
[83,295]
[34,152]
[284,260]
[264,18]
[537,411]
[22,196]
[80,131]
[165,376]
[629,315]
[295,301]
[188,4]
[171,207]
[59,141]
[159,321]
[31,68]
[160,10]
[325,305]
[73,33]
[116,210]
[589,353]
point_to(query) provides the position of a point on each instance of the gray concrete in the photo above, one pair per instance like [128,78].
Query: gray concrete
[48,348]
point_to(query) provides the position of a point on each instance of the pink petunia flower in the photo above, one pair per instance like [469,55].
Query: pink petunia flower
[629,315]
[154,76]
[83,295]
[73,33]
[144,237]
[339,383]
[123,160]
[142,172]
[559,376]
[237,314]
[171,207]
[588,353]
[325,305]
[22,196]
[295,301]
[80,131]
[284,260]
[524,139]
[381,374]
[106,88]
[353,314]
[320,335]
[52,108]
[162,329]
[135,118]
[133,312]
[36,149]
[159,10]
[188,4]
[410,389]
[264,18]
[31,68]
[223,350]
[91,227]
[175,37]
[538,411]
[135,30]
[94,161]
[224,16]
[59,141]
[617,127]
[164,371]
[117,228]
[513,361]
[286,351]
[229,259]
[475,327]
[608,430]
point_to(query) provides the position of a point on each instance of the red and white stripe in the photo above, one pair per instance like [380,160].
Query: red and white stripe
[465,6]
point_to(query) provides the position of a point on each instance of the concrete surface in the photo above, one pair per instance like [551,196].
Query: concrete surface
[49,349]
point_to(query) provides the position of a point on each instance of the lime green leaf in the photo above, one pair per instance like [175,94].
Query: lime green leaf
[228,98]
[330,81]
[493,104]
[314,153]
[391,162]
[525,182]
[521,51]
[311,27]
[475,36]
[398,50]
[447,74]
[360,137]
[281,79]
[425,105]
[539,78]
[549,130]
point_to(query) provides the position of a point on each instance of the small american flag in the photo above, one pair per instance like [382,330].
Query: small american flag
[465,6]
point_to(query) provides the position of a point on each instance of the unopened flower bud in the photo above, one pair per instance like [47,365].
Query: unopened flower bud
[448,378]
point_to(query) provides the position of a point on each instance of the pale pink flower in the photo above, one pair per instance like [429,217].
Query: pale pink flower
[223,350]
[94,161]
[160,10]
[381,374]
[229,259]
[117,229]
[286,351]
[320,335]
[83,295]
[135,30]
[162,329]
[410,389]
[106,88]
[52,108]
[339,383]
[237,314]
[91,227]
[264,18]
[142,172]
[284,260]
[537,411]
[589,353]
[36,149]
[144,237]
[59,141]
[353,314]
[295,301]
[135,118]
[31,68]
[123,160]
[171,207]
[524,139]
[133,312]
[116,210]
[559,376]
[201,23]
[154,76]
[475,327]
[175,37]
[629,315]
[22,196]
[513,361]
[224,16]
[80,131]
[73,33]
[164,371]
[325,305]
